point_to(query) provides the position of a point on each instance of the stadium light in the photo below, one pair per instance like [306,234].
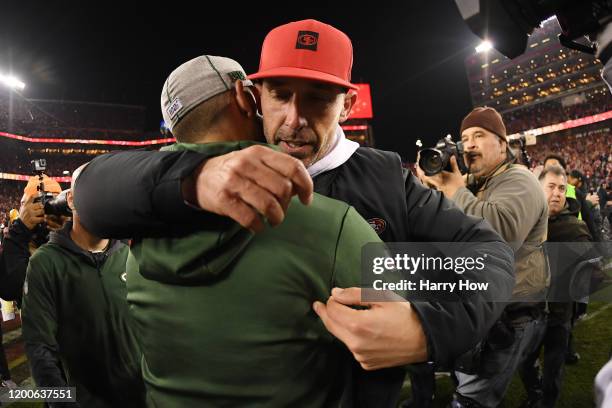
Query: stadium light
[484,47]
[11,82]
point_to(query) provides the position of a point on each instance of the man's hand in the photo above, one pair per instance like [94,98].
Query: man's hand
[448,182]
[593,198]
[387,334]
[248,183]
[31,213]
[55,222]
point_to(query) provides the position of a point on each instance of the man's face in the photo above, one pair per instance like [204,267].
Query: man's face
[576,182]
[483,150]
[554,187]
[301,115]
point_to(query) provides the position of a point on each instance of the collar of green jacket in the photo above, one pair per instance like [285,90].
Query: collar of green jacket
[216,148]
[172,259]
[63,239]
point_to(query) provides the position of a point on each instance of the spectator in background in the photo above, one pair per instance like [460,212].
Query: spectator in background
[590,213]
[573,192]
[563,226]
[27,233]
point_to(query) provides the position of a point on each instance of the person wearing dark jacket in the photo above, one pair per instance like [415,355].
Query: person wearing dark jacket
[25,234]
[589,211]
[239,304]
[575,190]
[301,115]
[563,226]
[75,318]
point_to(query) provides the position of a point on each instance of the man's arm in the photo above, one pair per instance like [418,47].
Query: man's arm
[16,248]
[16,258]
[39,322]
[434,218]
[586,210]
[385,334]
[398,333]
[141,193]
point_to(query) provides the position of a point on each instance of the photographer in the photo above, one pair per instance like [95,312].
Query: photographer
[509,197]
[26,233]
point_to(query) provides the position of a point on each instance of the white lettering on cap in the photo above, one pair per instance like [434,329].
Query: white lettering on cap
[174,107]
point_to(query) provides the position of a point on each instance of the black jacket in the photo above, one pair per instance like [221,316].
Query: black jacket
[16,256]
[142,195]
[589,215]
[566,227]
[574,259]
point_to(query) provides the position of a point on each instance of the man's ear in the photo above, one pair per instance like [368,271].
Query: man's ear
[70,199]
[349,101]
[504,146]
[247,98]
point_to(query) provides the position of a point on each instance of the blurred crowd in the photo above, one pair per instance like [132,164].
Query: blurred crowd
[591,154]
[552,112]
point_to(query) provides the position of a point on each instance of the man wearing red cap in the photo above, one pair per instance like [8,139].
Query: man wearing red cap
[509,197]
[305,93]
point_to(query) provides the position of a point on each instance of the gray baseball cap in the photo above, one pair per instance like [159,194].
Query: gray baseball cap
[196,81]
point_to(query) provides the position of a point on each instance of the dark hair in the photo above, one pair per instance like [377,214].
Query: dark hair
[556,157]
[556,170]
[577,175]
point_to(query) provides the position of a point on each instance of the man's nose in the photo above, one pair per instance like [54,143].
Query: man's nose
[295,118]
[469,145]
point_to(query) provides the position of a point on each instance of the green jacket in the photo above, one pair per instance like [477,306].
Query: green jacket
[75,317]
[225,317]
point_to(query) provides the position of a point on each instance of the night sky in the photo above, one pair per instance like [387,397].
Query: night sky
[412,54]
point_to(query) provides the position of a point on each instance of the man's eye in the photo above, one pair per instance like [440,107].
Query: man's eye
[321,98]
[281,96]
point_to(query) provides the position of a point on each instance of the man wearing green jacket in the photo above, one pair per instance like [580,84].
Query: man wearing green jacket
[237,307]
[76,321]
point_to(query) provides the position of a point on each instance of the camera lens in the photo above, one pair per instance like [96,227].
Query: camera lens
[431,161]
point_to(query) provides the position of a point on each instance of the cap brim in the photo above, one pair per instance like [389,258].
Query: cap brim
[292,72]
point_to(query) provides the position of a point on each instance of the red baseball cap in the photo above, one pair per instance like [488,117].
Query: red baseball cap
[307,49]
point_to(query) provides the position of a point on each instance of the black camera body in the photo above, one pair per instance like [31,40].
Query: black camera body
[434,160]
[55,205]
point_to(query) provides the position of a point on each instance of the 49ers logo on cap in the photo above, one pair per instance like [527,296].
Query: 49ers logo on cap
[307,40]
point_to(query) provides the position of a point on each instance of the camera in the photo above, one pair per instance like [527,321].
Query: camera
[434,160]
[52,205]
[518,144]
[508,23]
[57,205]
